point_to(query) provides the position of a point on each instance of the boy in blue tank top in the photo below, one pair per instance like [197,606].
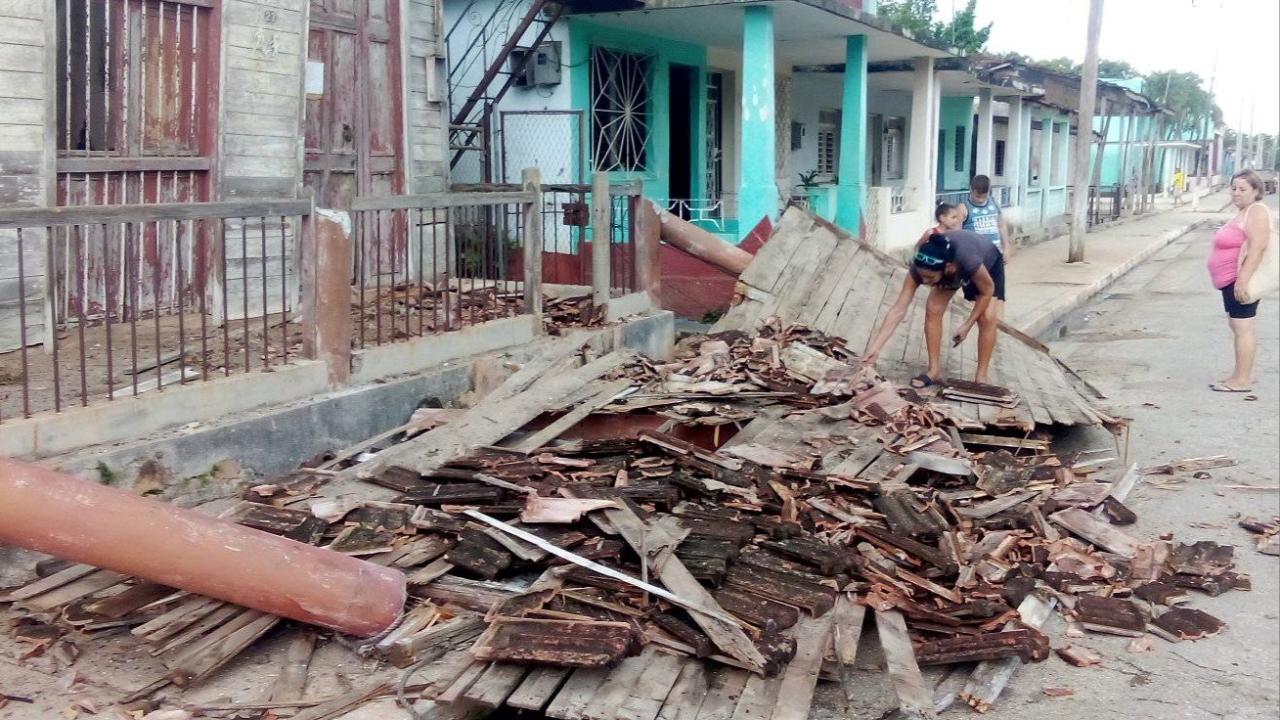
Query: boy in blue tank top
[981,216]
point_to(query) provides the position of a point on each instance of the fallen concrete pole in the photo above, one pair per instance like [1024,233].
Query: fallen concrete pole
[81,521]
[701,244]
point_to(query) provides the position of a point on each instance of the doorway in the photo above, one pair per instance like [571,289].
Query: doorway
[680,164]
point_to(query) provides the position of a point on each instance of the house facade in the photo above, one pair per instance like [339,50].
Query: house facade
[125,102]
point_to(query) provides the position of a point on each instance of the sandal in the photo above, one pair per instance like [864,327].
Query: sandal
[1225,388]
[923,381]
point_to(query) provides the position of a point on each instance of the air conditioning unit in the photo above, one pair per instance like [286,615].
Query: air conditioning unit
[543,67]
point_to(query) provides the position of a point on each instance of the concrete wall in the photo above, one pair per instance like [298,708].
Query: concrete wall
[814,92]
[955,118]
[275,439]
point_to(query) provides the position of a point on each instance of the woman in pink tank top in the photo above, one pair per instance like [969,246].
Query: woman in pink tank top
[1245,234]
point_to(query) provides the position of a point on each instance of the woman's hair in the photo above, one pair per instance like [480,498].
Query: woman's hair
[936,252]
[942,209]
[1253,178]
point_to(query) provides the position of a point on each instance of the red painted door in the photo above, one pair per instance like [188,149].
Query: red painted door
[353,128]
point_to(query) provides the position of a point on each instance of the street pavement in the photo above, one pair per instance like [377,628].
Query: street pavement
[1152,342]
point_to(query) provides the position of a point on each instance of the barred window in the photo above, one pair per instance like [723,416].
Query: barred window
[999,157]
[828,143]
[620,90]
[962,148]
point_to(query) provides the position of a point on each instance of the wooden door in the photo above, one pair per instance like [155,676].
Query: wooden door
[353,128]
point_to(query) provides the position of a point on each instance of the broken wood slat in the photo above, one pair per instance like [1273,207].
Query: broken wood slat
[724,689]
[776,586]
[493,687]
[1096,531]
[344,703]
[725,633]
[607,392]
[1002,441]
[756,609]
[915,701]
[651,690]
[188,611]
[292,680]
[487,423]
[462,682]
[847,630]
[617,687]
[452,494]
[990,677]
[66,594]
[576,693]
[52,582]
[567,643]
[985,510]
[430,572]
[119,605]
[1191,465]
[538,687]
[461,629]
[798,680]
[685,699]
[208,657]
[759,696]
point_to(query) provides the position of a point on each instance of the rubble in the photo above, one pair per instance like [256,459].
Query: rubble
[726,548]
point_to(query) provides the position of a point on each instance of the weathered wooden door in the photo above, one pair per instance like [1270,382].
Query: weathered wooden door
[353,141]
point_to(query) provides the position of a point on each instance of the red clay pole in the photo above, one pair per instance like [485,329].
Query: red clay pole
[703,245]
[84,522]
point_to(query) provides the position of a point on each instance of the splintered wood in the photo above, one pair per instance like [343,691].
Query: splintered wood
[715,557]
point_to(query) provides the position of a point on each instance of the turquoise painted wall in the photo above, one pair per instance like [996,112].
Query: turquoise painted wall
[1112,173]
[663,53]
[955,112]
[758,184]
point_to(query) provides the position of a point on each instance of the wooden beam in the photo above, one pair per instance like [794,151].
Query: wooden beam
[915,700]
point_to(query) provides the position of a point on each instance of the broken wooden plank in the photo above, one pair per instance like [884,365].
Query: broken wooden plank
[723,691]
[990,677]
[758,698]
[915,701]
[651,690]
[685,699]
[576,693]
[1096,531]
[607,392]
[292,680]
[52,582]
[800,678]
[538,687]
[492,688]
[617,687]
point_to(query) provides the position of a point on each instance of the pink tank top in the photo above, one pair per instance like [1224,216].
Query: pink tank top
[1224,259]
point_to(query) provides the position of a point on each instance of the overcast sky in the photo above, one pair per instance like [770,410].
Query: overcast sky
[1242,36]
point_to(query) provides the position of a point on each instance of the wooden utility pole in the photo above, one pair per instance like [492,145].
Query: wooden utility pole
[1084,135]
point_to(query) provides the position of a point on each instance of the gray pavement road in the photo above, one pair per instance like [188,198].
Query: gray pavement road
[1153,342]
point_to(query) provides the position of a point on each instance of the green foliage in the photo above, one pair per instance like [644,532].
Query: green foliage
[1183,94]
[808,179]
[916,17]
[1117,70]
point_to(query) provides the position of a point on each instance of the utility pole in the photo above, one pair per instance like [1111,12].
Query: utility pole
[1084,135]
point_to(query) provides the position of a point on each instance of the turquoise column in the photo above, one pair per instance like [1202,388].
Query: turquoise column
[758,185]
[852,186]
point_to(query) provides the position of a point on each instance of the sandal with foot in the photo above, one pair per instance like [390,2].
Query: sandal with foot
[1225,388]
[923,381]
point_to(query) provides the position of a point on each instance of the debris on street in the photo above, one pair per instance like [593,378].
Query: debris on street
[711,531]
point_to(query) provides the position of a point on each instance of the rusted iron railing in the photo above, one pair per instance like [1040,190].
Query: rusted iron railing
[426,264]
[114,301]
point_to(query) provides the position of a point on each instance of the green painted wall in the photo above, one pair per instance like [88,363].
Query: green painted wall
[757,158]
[1112,172]
[853,136]
[955,112]
[663,53]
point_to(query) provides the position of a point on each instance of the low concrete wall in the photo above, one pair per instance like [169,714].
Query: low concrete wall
[395,358]
[131,417]
[273,440]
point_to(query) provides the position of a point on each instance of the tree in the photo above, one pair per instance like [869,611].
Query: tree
[1117,70]
[1063,65]
[916,17]
[1182,94]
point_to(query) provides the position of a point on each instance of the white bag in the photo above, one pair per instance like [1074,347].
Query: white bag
[1266,277]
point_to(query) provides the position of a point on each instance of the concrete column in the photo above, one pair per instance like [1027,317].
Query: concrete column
[853,136]
[758,187]
[1064,153]
[1013,143]
[325,267]
[985,163]
[920,181]
[1046,151]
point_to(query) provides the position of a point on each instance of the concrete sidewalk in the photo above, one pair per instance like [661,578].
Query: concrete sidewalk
[1043,288]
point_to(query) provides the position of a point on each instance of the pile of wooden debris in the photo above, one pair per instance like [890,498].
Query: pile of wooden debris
[609,537]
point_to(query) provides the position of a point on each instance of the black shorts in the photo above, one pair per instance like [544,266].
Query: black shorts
[997,279]
[1237,310]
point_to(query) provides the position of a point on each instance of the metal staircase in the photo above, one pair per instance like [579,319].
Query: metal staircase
[470,127]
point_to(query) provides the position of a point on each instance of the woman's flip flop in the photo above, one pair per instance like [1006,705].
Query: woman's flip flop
[922,381]
[1225,388]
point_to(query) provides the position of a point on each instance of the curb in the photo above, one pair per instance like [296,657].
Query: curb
[1071,303]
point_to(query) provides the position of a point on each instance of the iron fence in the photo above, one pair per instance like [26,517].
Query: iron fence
[113,301]
[425,264]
